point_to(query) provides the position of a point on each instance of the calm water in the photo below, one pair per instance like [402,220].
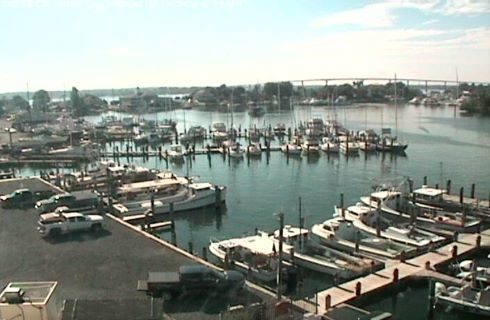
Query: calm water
[442,145]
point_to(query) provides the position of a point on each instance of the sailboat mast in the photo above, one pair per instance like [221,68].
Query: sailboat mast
[396,111]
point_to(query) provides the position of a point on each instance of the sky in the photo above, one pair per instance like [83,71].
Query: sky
[90,44]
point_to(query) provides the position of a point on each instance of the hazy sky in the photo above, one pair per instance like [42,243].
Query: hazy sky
[53,44]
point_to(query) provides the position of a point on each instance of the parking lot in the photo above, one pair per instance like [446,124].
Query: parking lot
[96,268]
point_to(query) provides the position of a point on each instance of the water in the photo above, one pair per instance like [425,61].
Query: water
[442,145]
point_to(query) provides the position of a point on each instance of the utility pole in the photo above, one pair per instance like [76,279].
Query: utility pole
[279,267]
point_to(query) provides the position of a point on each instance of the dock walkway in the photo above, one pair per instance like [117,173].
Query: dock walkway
[376,281]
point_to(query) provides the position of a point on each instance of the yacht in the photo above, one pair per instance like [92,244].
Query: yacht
[236,151]
[348,146]
[299,249]
[168,190]
[341,233]
[311,146]
[254,255]
[218,131]
[369,221]
[291,149]
[280,129]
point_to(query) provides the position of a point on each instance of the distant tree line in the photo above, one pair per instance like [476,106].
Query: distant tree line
[478,100]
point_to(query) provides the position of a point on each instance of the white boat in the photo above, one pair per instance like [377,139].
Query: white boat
[367,146]
[329,146]
[465,298]
[340,233]
[299,249]
[254,255]
[390,144]
[218,131]
[140,138]
[348,146]
[254,149]
[369,220]
[291,149]
[391,204]
[310,146]
[168,190]
[236,151]
[175,153]
[315,127]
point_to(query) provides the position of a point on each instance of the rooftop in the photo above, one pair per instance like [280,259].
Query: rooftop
[430,192]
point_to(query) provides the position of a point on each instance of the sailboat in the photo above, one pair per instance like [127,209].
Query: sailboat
[387,142]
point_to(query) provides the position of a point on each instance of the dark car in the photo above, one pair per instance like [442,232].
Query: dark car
[192,279]
[23,198]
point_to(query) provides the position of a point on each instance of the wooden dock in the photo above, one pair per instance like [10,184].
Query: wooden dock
[421,266]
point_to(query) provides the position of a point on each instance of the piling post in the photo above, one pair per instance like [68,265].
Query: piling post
[357,241]
[461,192]
[358,288]
[410,185]
[472,191]
[454,252]
[448,187]
[217,196]
[425,180]
[478,241]
[396,274]
[430,311]
[427,265]
[205,253]
[328,302]
[342,204]
[191,249]
[291,254]
[437,186]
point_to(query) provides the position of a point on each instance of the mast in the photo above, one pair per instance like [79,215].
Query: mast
[279,96]
[396,111]
[457,84]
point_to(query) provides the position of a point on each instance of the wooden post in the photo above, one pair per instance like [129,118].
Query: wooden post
[342,204]
[190,247]
[425,180]
[473,191]
[448,186]
[328,302]
[395,275]
[205,253]
[461,192]
[358,288]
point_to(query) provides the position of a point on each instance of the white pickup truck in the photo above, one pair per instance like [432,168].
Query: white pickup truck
[57,223]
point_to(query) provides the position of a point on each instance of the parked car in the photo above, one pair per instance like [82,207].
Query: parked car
[191,279]
[56,223]
[77,201]
[23,198]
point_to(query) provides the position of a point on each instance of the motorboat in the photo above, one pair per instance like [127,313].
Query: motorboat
[390,144]
[291,149]
[236,151]
[341,233]
[169,193]
[370,221]
[254,150]
[310,146]
[176,153]
[398,208]
[367,146]
[329,146]
[280,129]
[254,255]
[218,131]
[464,298]
[299,249]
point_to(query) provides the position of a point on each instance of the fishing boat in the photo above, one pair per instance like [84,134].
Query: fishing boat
[299,249]
[465,298]
[254,255]
[395,206]
[341,233]
[369,221]
[169,192]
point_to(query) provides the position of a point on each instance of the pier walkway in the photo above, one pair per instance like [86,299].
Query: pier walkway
[348,291]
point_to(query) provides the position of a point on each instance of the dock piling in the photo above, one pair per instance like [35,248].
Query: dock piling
[328,302]
[205,253]
[461,192]
[190,246]
[425,180]
[358,288]
[342,204]
[473,191]
[396,274]
[448,186]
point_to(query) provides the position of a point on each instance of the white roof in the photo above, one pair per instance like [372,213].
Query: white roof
[257,244]
[431,192]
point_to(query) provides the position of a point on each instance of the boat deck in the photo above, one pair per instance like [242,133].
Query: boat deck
[376,281]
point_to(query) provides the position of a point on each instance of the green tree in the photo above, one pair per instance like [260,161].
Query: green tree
[40,100]
[78,107]
[20,102]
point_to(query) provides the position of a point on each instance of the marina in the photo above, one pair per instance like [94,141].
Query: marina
[234,192]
